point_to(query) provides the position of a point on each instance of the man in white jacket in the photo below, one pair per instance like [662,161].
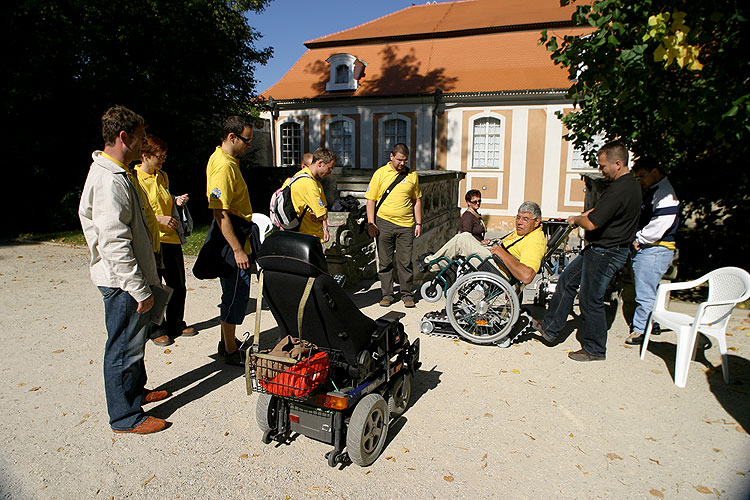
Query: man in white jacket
[123,267]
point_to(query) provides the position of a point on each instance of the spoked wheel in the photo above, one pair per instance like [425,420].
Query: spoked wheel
[431,291]
[368,429]
[400,395]
[482,307]
[265,412]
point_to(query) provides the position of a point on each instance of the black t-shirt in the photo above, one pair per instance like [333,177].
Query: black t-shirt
[616,213]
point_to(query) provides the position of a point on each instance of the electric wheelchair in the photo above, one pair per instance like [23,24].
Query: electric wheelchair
[357,373]
[483,301]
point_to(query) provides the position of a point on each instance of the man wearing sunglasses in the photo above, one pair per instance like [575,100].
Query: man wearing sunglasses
[229,199]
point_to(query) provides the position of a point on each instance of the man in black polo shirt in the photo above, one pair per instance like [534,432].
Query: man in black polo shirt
[610,227]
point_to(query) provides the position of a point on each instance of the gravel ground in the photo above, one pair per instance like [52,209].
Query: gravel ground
[523,422]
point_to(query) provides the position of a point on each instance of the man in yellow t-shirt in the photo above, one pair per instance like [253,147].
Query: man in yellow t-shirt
[522,251]
[308,197]
[228,195]
[395,223]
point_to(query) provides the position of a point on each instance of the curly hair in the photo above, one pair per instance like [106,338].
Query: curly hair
[119,118]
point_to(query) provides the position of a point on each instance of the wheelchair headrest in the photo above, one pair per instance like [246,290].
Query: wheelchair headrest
[291,252]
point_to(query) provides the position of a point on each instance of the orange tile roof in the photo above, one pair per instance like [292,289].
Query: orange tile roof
[478,60]
[449,17]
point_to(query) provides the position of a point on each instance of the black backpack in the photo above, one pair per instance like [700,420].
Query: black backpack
[282,210]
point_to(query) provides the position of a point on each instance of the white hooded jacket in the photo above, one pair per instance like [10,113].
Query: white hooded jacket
[114,223]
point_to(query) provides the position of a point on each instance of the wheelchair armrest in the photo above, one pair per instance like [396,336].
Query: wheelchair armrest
[384,322]
[509,275]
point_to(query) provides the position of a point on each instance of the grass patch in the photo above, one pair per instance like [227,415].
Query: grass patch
[195,240]
[75,237]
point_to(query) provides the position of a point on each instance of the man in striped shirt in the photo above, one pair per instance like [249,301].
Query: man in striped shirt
[654,244]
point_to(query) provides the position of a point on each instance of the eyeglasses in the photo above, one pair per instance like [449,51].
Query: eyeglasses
[476,201]
[243,139]
[161,157]
[524,218]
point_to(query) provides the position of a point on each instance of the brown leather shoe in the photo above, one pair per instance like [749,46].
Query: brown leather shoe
[409,302]
[164,340]
[582,355]
[149,426]
[189,332]
[151,396]
[386,302]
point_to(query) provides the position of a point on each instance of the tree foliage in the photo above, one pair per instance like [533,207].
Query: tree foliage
[671,78]
[183,65]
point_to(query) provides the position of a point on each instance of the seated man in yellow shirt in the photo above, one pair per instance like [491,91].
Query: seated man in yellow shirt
[307,193]
[522,251]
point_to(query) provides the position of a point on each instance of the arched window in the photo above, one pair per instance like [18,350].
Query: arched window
[291,143]
[342,73]
[340,141]
[487,144]
[394,131]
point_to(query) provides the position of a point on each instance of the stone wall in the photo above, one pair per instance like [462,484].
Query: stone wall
[351,251]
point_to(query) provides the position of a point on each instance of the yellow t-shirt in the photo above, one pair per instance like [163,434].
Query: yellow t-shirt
[153,225]
[308,192]
[226,188]
[530,249]
[156,187]
[398,207]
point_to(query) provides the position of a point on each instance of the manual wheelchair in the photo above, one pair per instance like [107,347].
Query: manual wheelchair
[483,301]
[358,373]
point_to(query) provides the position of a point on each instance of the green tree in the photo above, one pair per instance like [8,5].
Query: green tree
[184,65]
[671,78]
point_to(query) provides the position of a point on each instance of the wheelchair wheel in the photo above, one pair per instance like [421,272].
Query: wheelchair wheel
[482,307]
[368,429]
[431,291]
[399,396]
[265,412]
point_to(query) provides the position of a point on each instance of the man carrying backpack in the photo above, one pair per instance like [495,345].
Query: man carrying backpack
[308,199]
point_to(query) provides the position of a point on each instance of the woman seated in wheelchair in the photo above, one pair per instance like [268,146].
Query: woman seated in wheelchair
[521,252]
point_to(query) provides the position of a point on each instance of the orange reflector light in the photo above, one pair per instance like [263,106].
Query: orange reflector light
[398,367]
[294,418]
[482,322]
[334,402]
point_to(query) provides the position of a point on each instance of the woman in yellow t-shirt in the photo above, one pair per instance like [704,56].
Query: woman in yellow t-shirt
[155,183]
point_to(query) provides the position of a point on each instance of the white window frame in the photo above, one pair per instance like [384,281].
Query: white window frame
[289,119]
[329,137]
[501,160]
[334,62]
[383,155]
[574,155]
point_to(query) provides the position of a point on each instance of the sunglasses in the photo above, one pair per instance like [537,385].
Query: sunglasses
[243,139]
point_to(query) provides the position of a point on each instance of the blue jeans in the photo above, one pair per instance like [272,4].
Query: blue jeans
[124,370]
[592,271]
[235,293]
[649,265]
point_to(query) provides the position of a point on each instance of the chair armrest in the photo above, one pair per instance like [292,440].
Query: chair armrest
[683,285]
[664,288]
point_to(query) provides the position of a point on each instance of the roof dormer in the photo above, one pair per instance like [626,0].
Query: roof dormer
[345,72]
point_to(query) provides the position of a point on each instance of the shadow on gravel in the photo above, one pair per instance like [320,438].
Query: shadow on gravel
[732,396]
[216,320]
[211,376]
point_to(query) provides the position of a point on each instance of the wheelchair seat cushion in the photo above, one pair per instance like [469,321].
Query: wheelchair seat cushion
[294,253]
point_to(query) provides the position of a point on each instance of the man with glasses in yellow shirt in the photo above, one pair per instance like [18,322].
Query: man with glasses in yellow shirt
[522,250]
[394,216]
[229,199]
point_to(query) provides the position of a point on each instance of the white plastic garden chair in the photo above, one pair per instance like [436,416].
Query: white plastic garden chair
[727,287]
[264,224]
